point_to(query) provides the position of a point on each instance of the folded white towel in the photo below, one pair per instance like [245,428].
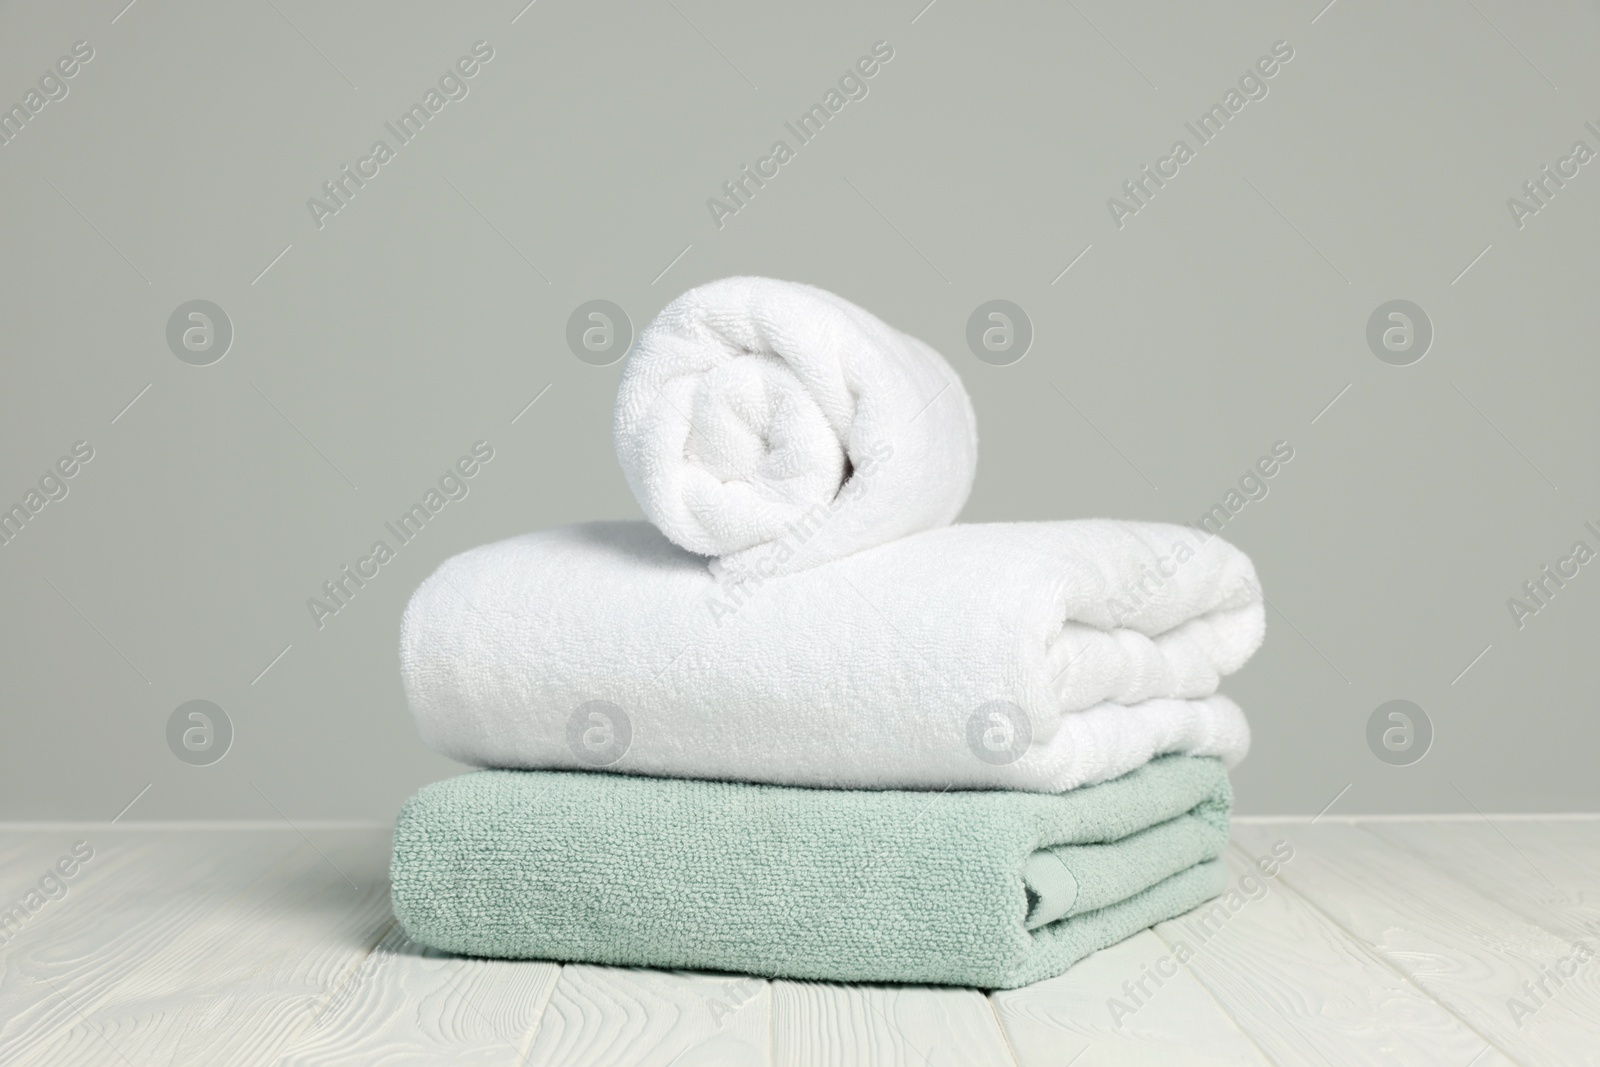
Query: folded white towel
[778,426]
[1034,656]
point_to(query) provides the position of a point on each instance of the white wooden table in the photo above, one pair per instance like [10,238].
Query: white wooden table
[1463,942]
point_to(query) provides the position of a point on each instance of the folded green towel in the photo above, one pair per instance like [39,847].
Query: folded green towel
[988,889]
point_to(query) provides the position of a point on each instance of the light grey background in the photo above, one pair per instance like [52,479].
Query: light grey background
[1223,317]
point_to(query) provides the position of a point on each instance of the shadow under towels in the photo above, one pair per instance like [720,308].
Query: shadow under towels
[987,889]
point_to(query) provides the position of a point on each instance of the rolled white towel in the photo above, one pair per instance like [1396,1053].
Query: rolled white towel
[1032,656]
[777,426]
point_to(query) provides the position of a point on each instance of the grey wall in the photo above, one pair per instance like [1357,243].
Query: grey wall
[1222,317]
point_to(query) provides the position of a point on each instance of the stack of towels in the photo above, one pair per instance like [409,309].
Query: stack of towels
[798,724]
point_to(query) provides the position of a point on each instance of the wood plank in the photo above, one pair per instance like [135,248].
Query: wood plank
[29,876]
[1468,952]
[233,977]
[26,855]
[619,1015]
[131,898]
[816,1024]
[247,947]
[1051,1022]
[1578,839]
[1536,869]
[1305,990]
[410,1004]
[17,845]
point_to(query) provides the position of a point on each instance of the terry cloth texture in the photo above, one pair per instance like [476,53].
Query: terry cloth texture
[1034,656]
[838,885]
[777,426]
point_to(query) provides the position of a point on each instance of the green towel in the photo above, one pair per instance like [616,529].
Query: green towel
[840,885]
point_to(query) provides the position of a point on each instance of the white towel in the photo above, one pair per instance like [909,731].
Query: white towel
[778,426]
[1033,656]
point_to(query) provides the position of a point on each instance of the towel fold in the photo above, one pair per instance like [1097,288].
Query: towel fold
[1032,656]
[836,885]
[752,407]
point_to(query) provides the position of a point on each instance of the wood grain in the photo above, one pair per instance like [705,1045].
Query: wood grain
[231,969]
[412,1005]
[816,1024]
[1068,1019]
[1463,949]
[135,895]
[1379,942]
[1305,990]
[616,1015]
[1540,870]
